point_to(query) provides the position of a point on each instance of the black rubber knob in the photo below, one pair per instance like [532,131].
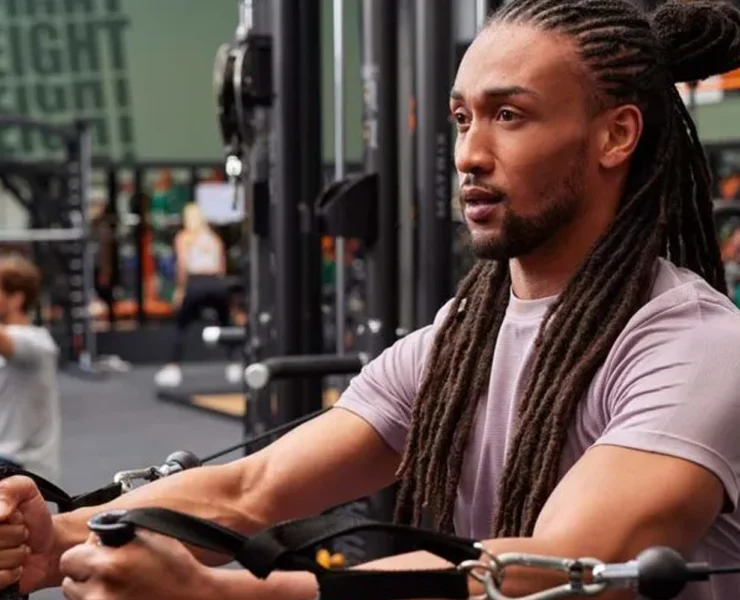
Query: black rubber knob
[662,572]
[111,530]
[186,460]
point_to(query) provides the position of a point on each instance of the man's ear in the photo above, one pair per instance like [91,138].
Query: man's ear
[622,128]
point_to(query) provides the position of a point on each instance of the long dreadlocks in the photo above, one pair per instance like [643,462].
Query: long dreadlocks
[666,211]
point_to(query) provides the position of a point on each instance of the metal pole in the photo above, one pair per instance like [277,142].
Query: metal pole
[246,19]
[287,196]
[407,165]
[434,77]
[482,7]
[91,352]
[339,163]
[258,417]
[312,182]
[380,78]
[379,73]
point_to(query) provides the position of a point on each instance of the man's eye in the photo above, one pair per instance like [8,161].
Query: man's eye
[506,114]
[459,118]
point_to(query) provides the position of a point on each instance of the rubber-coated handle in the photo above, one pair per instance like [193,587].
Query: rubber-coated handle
[111,530]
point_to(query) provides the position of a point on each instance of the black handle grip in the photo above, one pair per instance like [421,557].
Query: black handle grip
[111,530]
[224,336]
[260,374]
[12,593]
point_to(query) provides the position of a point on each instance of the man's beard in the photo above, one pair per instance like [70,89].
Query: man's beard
[518,235]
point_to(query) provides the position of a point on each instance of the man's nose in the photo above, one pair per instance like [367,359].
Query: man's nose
[474,151]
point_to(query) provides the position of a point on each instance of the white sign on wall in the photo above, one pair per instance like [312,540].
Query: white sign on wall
[217,202]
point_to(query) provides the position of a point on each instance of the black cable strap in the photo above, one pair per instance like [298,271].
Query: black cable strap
[290,546]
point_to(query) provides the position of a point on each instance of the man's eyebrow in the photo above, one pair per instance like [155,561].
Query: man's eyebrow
[493,93]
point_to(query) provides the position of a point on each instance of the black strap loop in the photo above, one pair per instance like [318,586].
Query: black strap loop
[273,548]
[289,547]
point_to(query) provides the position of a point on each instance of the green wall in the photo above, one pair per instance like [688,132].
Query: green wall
[142,70]
[719,122]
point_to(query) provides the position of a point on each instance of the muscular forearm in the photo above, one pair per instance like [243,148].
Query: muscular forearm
[227,584]
[213,493]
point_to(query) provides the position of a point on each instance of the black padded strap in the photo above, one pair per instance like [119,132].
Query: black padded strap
[188,529]
[273,548]
[289,547]
[97,497]
[393,585]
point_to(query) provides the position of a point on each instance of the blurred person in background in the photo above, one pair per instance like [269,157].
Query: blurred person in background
[29,397]
[200,283]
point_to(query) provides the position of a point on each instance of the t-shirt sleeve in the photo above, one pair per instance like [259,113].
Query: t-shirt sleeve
[673,387]
[30,347]
[383,393]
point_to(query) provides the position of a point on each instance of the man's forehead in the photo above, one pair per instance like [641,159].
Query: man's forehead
[517,55]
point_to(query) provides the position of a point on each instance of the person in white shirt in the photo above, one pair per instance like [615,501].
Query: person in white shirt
[29,395]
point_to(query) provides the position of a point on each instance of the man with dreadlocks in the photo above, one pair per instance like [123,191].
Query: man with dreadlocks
[579,396]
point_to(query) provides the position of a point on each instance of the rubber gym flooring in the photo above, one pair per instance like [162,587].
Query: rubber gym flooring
[117,424]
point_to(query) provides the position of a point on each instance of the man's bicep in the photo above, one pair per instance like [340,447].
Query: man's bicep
[334,458]
[617,501]
[681,397]
[383,393]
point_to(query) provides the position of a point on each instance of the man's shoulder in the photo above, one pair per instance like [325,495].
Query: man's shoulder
[681,295]
[684,311]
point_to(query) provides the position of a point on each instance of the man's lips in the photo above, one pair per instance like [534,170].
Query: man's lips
[479,204]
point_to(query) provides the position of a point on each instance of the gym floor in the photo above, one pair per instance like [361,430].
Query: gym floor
[117,423]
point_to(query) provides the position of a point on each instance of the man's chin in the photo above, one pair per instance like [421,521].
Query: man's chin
[487,248]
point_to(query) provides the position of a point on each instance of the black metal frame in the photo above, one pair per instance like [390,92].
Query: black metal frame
[287,196]
[380,79]
[434,56]
[312,334]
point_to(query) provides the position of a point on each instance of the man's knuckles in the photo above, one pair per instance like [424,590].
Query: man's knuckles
[9,577]
[12,536]
[12,559]
[86,561]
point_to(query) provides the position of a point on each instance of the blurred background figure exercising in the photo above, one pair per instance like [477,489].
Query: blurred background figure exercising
[29,397]
[201,283]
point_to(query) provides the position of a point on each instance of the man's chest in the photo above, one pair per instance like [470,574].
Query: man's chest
[492,438]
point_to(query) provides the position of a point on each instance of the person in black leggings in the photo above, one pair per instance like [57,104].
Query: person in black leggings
[201,266]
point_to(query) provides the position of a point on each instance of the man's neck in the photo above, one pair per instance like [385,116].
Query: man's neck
[546,271]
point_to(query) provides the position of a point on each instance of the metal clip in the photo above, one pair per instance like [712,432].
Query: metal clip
[483,571]
[126,478]
[493,570]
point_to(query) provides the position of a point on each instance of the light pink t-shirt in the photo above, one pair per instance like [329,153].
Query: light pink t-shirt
[670,384]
